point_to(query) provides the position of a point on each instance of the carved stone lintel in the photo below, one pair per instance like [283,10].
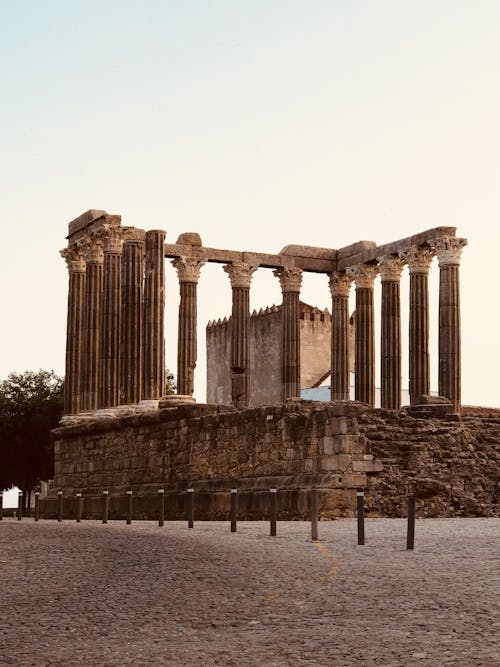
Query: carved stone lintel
[448,250]
[363,275]
[92,248]
[290,278]
[390,268]
[188,268]
[240,274]
[340,284]
[418,259]
[74,259]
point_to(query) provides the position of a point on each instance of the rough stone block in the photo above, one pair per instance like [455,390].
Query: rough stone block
[367,466]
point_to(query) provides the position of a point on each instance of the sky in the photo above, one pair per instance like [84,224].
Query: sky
[258,125]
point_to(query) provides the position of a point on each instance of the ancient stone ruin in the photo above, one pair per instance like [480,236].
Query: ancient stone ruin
[121,432]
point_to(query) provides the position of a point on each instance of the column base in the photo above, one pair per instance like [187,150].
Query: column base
[174,400]
[148,405]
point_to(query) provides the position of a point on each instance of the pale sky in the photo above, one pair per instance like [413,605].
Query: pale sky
[256,124]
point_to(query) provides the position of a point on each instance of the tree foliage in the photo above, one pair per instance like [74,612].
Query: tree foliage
[31,404]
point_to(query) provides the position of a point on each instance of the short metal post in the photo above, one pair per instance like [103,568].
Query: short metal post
[161,507]
[37,505]
[314,515]
[234,509]
[361,516]
[410,535]
[105,506]
[129,507]
[60,506]
[19,505]
[190,507]
[79,501]
[272,510]
[1,505]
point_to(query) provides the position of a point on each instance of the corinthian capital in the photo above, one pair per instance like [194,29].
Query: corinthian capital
[340,284]
[111,238]
[390,268]
[240,274]
[133,235]
[363,275]
[92,249]
[290,278]
[448,250]
[188,268]
[74,259]
[418,258]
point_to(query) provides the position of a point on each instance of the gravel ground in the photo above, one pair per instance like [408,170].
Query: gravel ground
[88,594]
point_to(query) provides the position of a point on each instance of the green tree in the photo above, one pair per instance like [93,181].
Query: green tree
[170,383]
[31,405]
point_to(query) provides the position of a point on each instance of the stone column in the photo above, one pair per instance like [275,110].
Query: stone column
[364,275]
[419,260]
[290,280]
[132,296]
[448,251]
[340,284]
[109,376]
[390,361]
[94,258]
[188,271]
[240,276]
[74,330]
[153,337]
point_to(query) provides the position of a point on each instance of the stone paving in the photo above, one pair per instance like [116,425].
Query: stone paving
[88,594]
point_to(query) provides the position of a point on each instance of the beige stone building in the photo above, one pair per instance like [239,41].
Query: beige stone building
[266,354]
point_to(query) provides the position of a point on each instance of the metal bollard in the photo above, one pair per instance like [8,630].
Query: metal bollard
[190,507]
[60,506]
[79,501]
[361,516]
[314,515]
[1,506]
[234,509]
[19,505]
[129,508]
[272,511]
[161,507]
[37,505]
[105,506]
[410,534]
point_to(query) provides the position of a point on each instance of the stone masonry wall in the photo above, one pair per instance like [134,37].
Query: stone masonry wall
[453,467]
[293,447]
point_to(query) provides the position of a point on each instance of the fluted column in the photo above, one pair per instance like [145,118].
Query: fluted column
[188,271]
[390,348]
[290,280]
[340,284]
[153,338]
[448,251]
[74,329]
[132,296]
[94,258]
[240,276]
[419,260]
[109,375]
[364,275]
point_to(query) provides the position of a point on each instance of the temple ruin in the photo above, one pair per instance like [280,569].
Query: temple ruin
[120,431]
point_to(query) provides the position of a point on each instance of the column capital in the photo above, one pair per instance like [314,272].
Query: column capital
[133,235]
[240,274]
[340,284]
[363,275]
[390,268]
[448,250]
[74,259]
[92,250]
[188,268]
[111,239]
[418,258]
[290,278]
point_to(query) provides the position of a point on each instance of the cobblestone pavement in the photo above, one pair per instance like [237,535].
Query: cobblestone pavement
[88,594]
